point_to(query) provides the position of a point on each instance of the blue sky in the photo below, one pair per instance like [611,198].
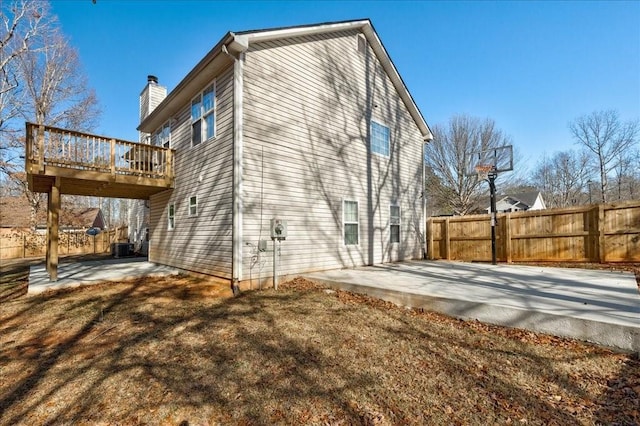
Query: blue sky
[530,66]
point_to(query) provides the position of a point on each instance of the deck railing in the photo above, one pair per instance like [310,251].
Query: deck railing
[52,146]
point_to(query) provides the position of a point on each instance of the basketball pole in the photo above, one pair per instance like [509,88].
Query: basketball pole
[492,188]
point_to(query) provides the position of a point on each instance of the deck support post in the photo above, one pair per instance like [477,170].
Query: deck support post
[53,215]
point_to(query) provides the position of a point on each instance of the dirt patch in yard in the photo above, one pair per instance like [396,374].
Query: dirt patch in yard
[181,350]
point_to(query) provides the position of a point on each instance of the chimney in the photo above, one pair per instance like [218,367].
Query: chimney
[150,98]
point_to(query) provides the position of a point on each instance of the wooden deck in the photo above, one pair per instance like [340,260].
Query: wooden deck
[93,165]
[60,161]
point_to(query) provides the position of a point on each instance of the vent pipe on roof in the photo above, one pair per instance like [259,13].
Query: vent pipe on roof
[152,79]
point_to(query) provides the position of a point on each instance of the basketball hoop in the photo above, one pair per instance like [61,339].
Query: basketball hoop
[483,170]
[485,165]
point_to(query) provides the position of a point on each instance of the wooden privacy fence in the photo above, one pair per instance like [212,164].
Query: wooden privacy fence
[594,233]
[16,244]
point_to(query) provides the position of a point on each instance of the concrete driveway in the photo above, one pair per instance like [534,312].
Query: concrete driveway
[598,306]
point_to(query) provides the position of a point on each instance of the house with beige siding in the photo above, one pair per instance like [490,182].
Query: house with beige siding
[310,124]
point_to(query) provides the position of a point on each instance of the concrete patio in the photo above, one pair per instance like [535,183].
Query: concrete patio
[75,274]
[594,305]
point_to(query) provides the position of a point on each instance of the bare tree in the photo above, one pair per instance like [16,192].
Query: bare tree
[447,158]
[22,23]
[56,89]
[605,137]
[563,178]
[626,175]
[53,89]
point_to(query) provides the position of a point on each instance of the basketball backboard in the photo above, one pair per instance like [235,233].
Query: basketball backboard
[494,160]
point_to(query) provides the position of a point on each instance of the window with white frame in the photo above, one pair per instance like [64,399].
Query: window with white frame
[171,217]
[203,115]
[394,223]
[162,137]
[350,222]
[193,205]
[380,139]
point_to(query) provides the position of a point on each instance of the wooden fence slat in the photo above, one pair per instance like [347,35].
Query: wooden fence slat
[447,240]
[602,255]
[507,237]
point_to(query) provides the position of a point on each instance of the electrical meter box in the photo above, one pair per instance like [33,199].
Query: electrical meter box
[278,229]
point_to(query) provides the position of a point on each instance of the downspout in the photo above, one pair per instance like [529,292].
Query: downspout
[238,131]
[423,225]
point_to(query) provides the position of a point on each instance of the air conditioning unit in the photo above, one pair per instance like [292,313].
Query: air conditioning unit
[121,249]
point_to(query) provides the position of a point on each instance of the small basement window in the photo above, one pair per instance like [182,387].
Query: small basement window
[350,218]
[171,217]
[394,223]
[193,205]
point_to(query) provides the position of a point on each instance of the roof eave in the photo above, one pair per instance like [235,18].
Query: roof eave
[235,43]
[188,87]
[397,81]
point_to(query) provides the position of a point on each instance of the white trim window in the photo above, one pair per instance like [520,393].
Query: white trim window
[350,222]
[193,205]
[203,115]
[394,223]
[162,136]
[380,139]
[171,217]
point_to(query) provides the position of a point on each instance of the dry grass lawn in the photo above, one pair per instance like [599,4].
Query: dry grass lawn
[181,351]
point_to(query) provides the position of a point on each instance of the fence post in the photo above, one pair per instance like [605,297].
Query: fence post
[602,253]
[430,254]
[507,237]
[447,241]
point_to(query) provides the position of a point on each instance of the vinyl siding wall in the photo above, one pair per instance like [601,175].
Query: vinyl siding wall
[199,243]
[308,102]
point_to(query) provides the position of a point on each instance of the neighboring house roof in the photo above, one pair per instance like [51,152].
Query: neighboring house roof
[15,213]
[510,202]
[528,198]
[521,201]
[236,43]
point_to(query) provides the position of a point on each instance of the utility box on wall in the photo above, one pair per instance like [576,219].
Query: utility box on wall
[278,229]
